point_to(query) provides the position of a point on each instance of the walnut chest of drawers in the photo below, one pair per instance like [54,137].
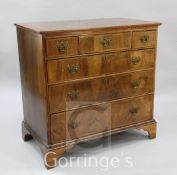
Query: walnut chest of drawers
[85,79]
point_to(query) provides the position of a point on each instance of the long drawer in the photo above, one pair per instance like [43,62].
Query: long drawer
[91,66]
[97,119]
[80,93]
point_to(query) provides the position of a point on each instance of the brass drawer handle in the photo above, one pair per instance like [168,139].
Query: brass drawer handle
[144,39]
[62,46]
[105,81]
[106,42]
[73,95]
[135,83]
[73,124]
[72,69]
[135,60]
[134,110]
[106,59]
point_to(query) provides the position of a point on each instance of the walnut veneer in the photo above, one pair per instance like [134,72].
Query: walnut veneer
[85,79]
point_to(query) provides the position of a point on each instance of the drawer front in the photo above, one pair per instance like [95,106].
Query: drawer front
[144,39]
[61,47]
[132,111]
[72,95]
[99,43]
[91,66]
[98,119]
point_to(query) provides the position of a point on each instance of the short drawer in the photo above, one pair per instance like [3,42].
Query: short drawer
[61,47]
[91,66]
[99,43]
[84,122]
[145,39]
[71,95]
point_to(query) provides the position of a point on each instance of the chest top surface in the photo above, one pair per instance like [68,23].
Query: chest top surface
[74,25]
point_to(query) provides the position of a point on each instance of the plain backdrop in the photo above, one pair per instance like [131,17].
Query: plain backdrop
[149,156]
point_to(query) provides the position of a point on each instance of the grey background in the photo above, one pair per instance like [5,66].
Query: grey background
[149,157]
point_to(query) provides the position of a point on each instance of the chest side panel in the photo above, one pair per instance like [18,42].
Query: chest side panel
[32,69]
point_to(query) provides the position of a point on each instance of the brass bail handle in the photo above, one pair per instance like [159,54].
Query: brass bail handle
[105,81]
[73,94]
[62,46]
[135,60]
[134,110]
[74,68]
[73,124]
[135,83]
[144,39]
[106,41]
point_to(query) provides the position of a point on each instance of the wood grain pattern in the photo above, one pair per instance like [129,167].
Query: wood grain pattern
[99,65]
[71,95]
[80,123]
[52,50]
[33,82]
[89,44]
[132,111]
[89,24]
[137,40]
[96,119]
